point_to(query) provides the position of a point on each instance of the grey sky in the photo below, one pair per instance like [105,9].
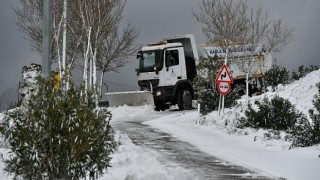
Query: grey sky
[155,19]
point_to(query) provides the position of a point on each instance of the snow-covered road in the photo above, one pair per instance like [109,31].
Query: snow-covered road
[242,147]
[200,164]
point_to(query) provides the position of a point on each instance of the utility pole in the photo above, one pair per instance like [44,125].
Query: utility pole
[46,54]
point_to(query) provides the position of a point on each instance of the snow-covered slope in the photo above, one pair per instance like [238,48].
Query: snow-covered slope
[301,92]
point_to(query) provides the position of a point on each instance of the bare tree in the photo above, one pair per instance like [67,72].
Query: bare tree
[92,33]
[106,49]
[30,20]
[263,36]
[224,21]
[253,37]
[231,24]
[279,35]
[116,48]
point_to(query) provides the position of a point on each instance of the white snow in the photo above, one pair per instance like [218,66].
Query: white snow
[269,158]
[140,163]
[219,137]
[246,147]
[301,92]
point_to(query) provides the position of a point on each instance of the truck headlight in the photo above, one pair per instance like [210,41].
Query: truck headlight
[158,93]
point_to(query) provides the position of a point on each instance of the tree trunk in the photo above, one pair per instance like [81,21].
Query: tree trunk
[247,90]
[90,72]
[101,83]
[94,71]
[64,47]
[85,69]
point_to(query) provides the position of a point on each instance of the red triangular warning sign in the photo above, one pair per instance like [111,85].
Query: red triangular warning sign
[224,75]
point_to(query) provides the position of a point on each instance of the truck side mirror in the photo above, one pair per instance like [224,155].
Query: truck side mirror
[139,55]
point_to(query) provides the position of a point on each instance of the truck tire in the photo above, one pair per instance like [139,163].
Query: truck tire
[184,99]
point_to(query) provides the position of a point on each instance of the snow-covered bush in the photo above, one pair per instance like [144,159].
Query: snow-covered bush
[300,134]
[277,114]
[57,135]
[305,133]
[276,75]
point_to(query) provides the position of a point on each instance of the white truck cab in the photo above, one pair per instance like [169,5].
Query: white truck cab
[167,69]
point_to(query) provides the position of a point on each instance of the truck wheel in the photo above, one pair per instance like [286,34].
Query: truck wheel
[184,100]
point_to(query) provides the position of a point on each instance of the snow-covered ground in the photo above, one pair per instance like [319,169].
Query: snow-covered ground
[217,135]
[248,147]
[133,162]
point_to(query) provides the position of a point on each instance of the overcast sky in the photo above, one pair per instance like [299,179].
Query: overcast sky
[155,19]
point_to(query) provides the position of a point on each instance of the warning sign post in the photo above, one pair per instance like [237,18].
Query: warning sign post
[223,80]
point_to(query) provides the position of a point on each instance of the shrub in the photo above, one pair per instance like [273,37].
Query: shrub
[277,114]
[306,134]
[58,135]
[315,128]
[276,75]
[300,134]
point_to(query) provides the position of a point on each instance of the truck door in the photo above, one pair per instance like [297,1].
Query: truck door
[172,70]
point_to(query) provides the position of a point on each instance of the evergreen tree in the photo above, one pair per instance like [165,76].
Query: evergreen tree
[276,75]
[58,135]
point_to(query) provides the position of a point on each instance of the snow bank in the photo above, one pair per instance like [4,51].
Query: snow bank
[300,93]
[140,163]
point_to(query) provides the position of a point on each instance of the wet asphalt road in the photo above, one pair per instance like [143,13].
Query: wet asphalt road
[202,165]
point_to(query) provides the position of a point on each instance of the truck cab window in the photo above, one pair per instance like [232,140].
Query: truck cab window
[172,58]
[148,60]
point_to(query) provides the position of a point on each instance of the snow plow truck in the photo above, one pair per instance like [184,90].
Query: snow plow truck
[167,70]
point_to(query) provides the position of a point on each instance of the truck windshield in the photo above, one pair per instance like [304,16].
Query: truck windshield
[150,60]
